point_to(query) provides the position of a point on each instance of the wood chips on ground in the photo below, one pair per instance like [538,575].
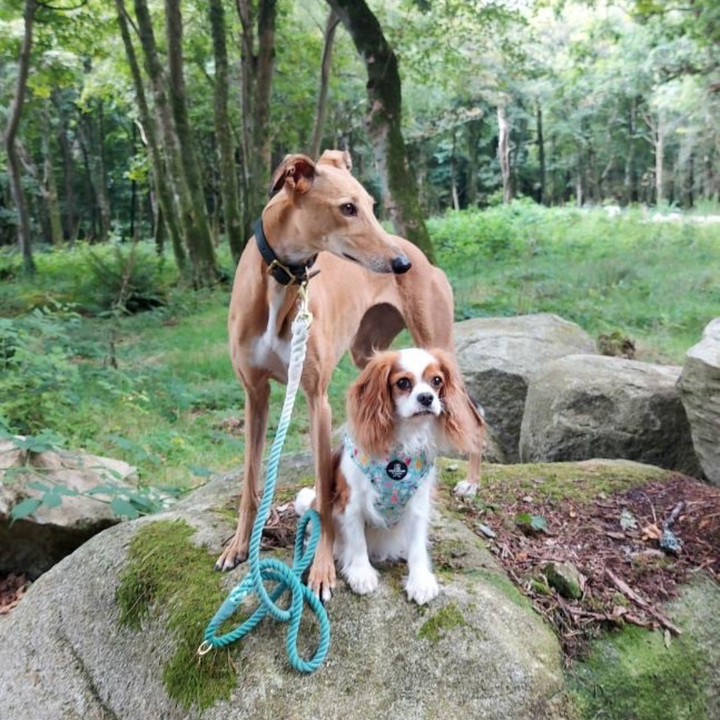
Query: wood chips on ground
[614,541]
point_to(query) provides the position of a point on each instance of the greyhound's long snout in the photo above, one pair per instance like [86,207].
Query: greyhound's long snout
[400,264]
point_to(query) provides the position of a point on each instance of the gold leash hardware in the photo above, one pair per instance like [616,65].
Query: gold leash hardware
[204,649]
[304,311]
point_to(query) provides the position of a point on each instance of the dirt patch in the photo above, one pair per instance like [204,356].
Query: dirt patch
[12,589]
[613,540]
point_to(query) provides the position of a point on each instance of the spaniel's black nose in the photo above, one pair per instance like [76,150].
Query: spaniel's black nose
[425,399]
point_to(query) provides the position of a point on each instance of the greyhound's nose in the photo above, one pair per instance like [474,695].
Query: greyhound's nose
[400,264]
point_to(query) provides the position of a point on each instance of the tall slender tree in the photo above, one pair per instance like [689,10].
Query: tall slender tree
[325,64]
[226,154]
[10,138]
[159,164]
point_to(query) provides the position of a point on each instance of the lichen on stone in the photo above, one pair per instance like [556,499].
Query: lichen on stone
[169,579]
[447,618]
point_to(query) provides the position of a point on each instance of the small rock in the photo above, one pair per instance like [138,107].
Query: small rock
[670,542]
[566,579]
[486,531]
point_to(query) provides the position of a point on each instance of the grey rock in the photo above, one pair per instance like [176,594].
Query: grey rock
[566,579]
[499,356]
[699,387]
[34,544]
[65,655]
[590,406]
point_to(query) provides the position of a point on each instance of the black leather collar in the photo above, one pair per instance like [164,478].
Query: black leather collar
[284,274]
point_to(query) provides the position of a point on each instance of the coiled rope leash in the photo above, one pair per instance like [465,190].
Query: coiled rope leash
[287,578]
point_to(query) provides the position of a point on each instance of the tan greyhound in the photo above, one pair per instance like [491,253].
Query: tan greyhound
[370,286]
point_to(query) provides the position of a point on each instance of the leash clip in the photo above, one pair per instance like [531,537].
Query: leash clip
[304,312]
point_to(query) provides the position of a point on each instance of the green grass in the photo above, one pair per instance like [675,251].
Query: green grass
[167,406]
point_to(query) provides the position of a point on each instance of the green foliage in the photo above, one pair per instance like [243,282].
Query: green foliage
[170,579]
[38,378]
[652,281]
[126,281]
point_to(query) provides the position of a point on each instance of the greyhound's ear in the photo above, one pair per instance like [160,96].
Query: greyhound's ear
[339,158]
[297,172]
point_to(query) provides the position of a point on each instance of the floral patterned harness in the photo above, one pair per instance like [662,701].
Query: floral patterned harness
[395,478]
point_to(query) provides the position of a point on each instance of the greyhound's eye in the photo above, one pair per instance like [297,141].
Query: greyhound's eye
[348,209]
[403,384]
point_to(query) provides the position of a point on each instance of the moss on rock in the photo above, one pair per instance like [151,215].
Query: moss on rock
[580,481]
[168,577]
[439,623]
[633,674]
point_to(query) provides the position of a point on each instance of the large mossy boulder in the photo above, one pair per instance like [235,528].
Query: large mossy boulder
[499,356]
[699,387]
[112,631]
[590,406]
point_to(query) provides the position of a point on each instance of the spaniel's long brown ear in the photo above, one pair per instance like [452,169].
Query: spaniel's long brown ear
[464,426]
[296,172]
[370,407]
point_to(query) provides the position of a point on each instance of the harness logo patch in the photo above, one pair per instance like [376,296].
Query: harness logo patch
[397,470]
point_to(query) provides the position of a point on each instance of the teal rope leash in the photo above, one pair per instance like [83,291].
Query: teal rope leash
[261,571]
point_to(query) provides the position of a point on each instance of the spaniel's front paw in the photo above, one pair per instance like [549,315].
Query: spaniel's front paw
[363,579]
[422,588]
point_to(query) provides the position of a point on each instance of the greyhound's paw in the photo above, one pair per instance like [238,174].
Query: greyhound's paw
[465,489]
[322,577]
[234,554]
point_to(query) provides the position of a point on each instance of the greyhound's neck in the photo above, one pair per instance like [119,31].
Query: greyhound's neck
[283,236]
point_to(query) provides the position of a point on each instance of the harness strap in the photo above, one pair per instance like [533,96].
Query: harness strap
[283,273]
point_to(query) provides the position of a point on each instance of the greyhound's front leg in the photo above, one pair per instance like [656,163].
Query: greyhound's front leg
[256,414]
[322,572]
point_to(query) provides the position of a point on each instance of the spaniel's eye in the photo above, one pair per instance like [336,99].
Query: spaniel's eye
[437,381]
[348,209]
[403,384]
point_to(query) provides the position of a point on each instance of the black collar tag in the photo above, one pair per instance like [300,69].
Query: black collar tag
[284,274]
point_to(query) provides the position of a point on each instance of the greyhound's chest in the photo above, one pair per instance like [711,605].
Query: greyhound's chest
[270,351]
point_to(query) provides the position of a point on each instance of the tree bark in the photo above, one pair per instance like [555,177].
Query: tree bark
[16,188]
[473,129]
[257,73]
[504,151]
[659,160]
[541,153]
[167,216]
[325,65]
[400,195]
[51,192]
[201,247]
[225,150]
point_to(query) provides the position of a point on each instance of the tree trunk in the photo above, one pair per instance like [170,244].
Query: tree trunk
[400,196]
[16,187]
[226,156]
[51,191]
[167,217]
[244,11]
[98,168]
[659,160]
[330,26]
[69,221]
[504,151]
[541,153]
[630,181]
[453,175]
[473,130]
[201,247]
